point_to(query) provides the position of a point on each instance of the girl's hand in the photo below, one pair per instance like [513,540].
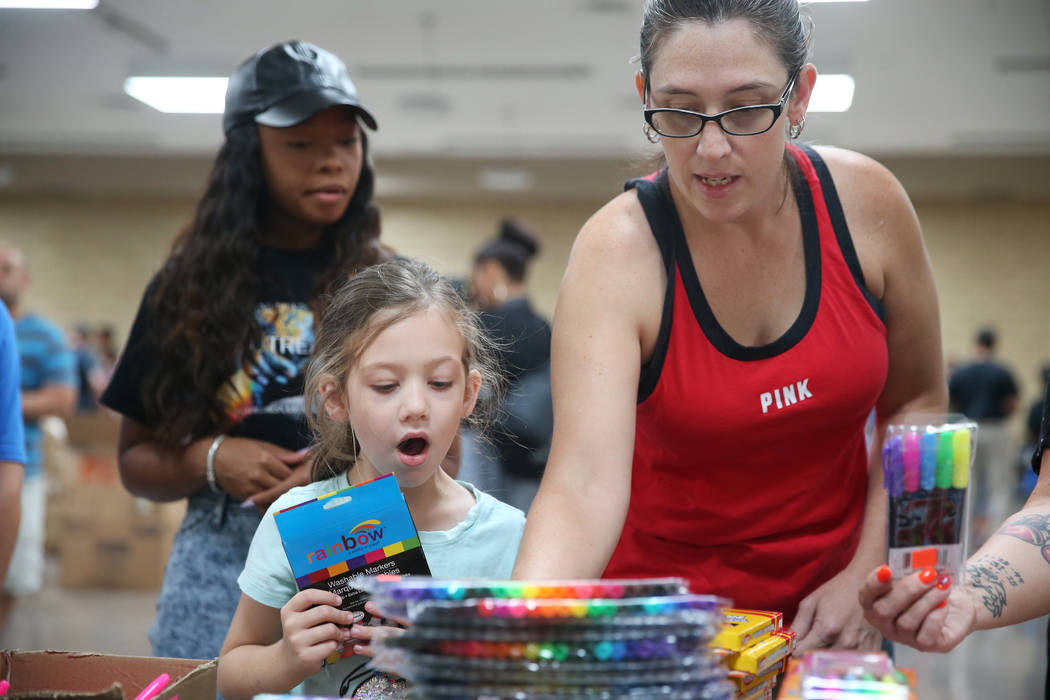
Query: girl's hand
[314,627]
[247,468]
[364,635]
[920,610]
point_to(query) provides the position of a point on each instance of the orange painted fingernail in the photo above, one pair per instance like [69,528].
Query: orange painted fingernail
[942,603]
[884,574]
[944,581]
[928,575]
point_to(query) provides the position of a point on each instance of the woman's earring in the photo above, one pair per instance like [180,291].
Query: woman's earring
[795,130]
[650,133]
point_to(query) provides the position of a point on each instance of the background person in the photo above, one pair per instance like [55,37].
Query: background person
[48,388]
[985,391]
[522,433]
[91,377]
[1033,426]
[210,382]
[724,329]
[12,444]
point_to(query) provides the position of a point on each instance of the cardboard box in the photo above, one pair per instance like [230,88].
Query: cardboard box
[110,539]
[100,429]
[60,675]
[67,467]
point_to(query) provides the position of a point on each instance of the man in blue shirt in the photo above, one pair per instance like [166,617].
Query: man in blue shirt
[48,387]
[12,442]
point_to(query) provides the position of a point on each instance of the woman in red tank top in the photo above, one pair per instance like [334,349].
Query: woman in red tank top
[723,331]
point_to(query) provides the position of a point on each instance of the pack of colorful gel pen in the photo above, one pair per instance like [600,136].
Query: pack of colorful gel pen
[926,464]
[401,596]
[333,540]
[838,675]
[559,640]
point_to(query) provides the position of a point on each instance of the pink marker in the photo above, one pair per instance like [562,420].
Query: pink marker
[911,462]
[154,688]
[4,685]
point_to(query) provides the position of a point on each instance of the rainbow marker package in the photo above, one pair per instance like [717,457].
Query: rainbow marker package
[363,530]
[926,464]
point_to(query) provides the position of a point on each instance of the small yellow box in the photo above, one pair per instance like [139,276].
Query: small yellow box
[743,628]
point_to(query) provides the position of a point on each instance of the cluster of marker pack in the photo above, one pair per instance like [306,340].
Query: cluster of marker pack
[557,640]
[849,674]
[926,467]
[756,649]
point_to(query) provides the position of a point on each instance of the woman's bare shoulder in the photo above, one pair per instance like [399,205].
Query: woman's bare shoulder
[878,211]
[862,181]
[614,265]
[618,233]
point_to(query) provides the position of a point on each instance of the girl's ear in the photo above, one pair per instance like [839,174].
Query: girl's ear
[334,400]
[639,83]
[470,394]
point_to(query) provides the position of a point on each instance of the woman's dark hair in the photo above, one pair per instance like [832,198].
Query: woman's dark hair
[779,22]
[512,249]
[203,300]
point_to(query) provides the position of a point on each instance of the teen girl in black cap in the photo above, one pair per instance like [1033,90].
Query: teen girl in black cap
[210,383]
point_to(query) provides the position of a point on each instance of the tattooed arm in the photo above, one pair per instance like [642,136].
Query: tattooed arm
[1010,575]
[1007,581]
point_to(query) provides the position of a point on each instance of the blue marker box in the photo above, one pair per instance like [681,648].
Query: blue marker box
[360,531]
[926,462]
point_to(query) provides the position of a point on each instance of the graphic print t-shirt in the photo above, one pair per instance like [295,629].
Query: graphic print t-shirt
[263,398]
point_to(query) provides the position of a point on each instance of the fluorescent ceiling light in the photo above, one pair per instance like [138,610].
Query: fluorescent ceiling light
[505,180]
[175,95]
[51,4]
[832,93]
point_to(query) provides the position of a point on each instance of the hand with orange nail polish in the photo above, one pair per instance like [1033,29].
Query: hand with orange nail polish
[884,574]
[922,610]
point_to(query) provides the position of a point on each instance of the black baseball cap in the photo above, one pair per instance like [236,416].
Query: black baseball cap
[288,83]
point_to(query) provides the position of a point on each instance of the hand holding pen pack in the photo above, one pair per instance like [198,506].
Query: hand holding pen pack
[926,463]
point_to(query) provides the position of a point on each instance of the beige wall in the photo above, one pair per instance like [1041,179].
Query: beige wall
[91,258]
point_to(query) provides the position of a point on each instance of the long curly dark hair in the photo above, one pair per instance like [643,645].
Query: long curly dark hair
[204,298]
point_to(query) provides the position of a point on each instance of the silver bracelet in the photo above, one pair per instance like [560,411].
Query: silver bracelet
[209,471]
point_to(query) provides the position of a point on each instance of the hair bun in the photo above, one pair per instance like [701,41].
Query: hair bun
[515,232]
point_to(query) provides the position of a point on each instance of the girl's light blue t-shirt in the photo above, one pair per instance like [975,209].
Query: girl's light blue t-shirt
[484,545]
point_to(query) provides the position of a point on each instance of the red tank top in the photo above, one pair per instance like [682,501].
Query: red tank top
[750,465]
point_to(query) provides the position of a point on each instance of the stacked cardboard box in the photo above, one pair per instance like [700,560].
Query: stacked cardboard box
[756,649]
[104,536]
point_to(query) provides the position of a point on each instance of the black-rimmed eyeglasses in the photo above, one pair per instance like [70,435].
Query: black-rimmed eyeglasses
[740,121]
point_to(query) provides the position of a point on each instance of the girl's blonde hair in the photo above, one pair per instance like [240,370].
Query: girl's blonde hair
[372,301]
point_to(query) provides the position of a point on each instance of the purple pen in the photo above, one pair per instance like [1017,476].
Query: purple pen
[891,466]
